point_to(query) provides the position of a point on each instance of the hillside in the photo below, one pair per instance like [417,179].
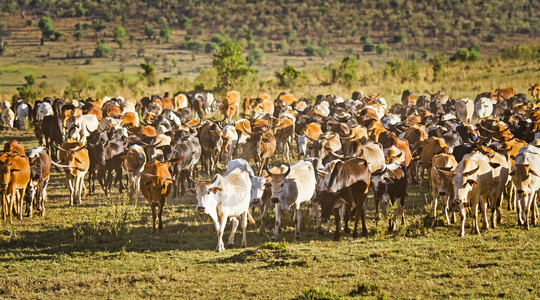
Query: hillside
[178,37]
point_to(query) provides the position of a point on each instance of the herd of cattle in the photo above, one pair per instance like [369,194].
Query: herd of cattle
[344,147]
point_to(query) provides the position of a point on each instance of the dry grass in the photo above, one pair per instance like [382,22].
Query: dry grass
[105,248]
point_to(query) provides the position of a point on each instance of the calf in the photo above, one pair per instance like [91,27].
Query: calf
[75,162]
[155,186]
[442,185]
[40,171]
[133,165]
[391,182]
[526,178]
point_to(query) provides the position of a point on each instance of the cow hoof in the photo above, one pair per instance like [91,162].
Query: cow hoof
[336,238]
[321,232]
[297,236]
[230,245]
[273,238]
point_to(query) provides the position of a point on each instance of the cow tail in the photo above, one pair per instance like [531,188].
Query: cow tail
[251,221]
[337,169]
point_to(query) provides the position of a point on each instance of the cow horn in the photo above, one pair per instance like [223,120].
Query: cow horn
[337,155]
[312,140]
[288,170]
[245,129]
[468,173]
[60,148]
[66,166]
[267,129]
[268,170]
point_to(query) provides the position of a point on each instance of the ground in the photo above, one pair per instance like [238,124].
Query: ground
[105,248]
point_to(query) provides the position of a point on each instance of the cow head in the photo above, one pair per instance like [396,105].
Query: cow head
[207,195]
[257,188]
[521,178]
[6,170]
[463,182]
[329,202]
[280,187]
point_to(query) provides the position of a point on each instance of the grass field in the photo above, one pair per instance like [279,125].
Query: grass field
[104,248]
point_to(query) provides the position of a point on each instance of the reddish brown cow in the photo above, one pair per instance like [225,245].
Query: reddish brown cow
[229,107]
[156,185]
[14,178]
[535,91]
[502,94]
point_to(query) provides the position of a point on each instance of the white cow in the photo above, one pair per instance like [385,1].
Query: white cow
[81,127]
[44,109]
[226,197]
[22,113]
[483,108]
[526,178]
[290,189]
[257,183]
[8,117]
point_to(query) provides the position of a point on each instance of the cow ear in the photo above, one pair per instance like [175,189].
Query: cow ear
[471,182]
[512,173]
[176,159]
[533,172]
[78,160]
[14,170]
[215,190]
[388,180]
[192,191]
[340,202]
[494,165]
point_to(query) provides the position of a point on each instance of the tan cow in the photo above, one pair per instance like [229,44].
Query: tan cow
[75,162]
[441,185]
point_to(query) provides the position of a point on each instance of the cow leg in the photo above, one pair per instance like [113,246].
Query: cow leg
[71,183]
[153,206]
[446,200]
[79,188]
[315,208]
[298,214]
[474,212]
[278,221]
[244,228]
[160,212]
[43,197]
[221,246]
[137,187]
[264,213]
[485,212]
[11,207]
[4,205]
[526,210]
[463,213]
[234,226]
[338,214]
[361,212]
[519,210]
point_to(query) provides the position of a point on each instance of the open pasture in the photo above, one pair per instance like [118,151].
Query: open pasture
[105,248]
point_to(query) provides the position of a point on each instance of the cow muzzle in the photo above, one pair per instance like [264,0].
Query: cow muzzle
[520,191]
[275,200]
[256,201]
[441,193]
[3,185]
[200,209]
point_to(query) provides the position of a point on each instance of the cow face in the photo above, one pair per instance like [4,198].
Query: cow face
[329,202]
[280,190]
[463,184]
[379,182]
[6,171]
[521,178]
[206,197]
[257,189]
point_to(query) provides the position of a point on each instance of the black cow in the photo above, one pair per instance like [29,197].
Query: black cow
[188,147]
[349,181]
[51,130]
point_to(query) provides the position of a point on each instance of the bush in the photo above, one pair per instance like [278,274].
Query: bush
[206,80]
[289,77]
[148,30]
[368,47]
[531,51]
[79,83]
[148,75]
[210,47]
[401,37]
[255,57]
[80,11]
[27,93]
[318,294]
[165,33]
[465,55]
[102,50]
[346,72]
[491,37]
[403,70]
[438,62]
[380,49]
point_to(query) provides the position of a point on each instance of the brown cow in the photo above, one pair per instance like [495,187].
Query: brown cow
[502,94]
[535,91]
[14,178]
[75,161]
[156,185]
[40,170]
[229,107]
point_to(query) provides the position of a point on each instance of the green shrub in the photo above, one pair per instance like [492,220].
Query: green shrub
[230,64]
[346,72]
[403,70]
[368,47]
[401,37]
[102,50]
[289,77]
[465,55]
[274,246]
[531,51]
[255,57]
[318,294]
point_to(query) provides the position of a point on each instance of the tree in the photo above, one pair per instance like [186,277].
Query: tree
[98,26]
[30,79]
[288,77]
[255,57]
[47,30]
[438,63]
[230,64]
[80,11]
[148,74]
[149,30]
[118,33]
[346,72]
[78,84]
[165,33]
